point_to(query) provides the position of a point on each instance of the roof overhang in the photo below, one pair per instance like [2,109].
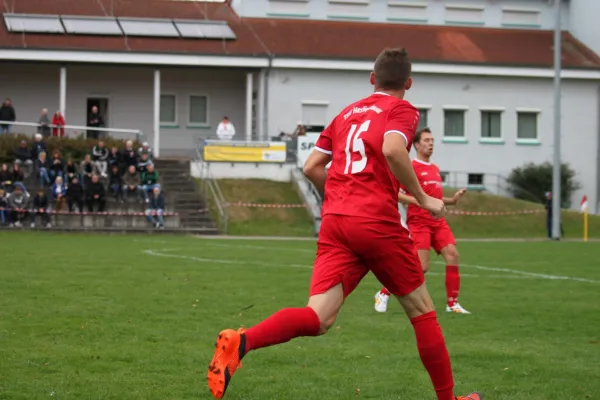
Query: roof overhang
[191,60]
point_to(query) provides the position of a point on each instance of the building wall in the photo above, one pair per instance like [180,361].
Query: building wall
[130,97]
[582,19]
[506,13]
[580,105]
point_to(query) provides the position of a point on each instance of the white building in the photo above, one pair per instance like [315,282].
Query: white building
[482,70]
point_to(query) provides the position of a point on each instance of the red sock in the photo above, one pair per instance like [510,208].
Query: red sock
[385,291]
[452,284]
[282,327]
[434,354]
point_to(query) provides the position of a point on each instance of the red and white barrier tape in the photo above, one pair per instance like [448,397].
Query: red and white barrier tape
[455,212]
[53,212]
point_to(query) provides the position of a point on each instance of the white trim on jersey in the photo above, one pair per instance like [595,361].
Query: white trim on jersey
[399,133]
[422,162]
[322,150]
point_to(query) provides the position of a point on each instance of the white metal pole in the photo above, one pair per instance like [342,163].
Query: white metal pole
[156,121]
[556,189]
[260,126]
[62,101]
[249,83]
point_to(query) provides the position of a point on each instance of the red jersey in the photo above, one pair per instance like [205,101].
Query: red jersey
[430,180]
[359,181]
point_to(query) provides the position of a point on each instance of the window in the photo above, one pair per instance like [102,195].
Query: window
[491,125]
[527,125]
[454,123]
[475,179]
[423,120]
[198,109]
[168,109]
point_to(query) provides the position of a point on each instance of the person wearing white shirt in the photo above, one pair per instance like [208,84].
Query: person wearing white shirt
[225,130]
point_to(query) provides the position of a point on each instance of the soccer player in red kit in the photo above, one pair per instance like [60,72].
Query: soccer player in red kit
[368,145]
[426,231]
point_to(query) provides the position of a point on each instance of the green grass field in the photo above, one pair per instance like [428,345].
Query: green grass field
[296,221]
[89,317]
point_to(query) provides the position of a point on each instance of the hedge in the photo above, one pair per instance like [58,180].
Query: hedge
[75,148]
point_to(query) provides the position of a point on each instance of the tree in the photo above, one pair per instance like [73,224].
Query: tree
[532,181]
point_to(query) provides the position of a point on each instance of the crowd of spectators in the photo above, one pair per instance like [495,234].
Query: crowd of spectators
[119,173]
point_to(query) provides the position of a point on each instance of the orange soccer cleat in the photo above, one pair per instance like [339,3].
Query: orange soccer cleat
[230,349]
[472,396]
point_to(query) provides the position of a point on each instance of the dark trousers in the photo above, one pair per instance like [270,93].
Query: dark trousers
[45,217]
[549,228]
[78,201]
[101,202]
[17,215]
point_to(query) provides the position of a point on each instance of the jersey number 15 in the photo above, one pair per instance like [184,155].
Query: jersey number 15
[354,144]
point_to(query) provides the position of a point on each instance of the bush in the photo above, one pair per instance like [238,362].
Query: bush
[532,181]
[75,148]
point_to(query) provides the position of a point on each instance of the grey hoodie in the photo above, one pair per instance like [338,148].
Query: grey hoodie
[44,127]
[18,201]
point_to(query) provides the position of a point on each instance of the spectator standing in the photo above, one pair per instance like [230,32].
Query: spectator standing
[75,194]
[95,120]
[143,163]
[115,183]
[146,149]
[156,208]
[131,182]
[59,122]
[42,168]
[129,155]
[114,157]
[38,146]
[100,157]
[57,165]
[7,113]
[87,170]
[40,207]
[59,193]
[71,170]
[4,211]
[17,202]
[95,194]
[149,181]
[23,154]
[225,129]
[44,124]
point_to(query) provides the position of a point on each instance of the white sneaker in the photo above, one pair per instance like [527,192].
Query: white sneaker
[381,302]
[457,308]
[32,225]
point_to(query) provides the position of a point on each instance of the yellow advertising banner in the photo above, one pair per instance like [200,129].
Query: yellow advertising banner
[270,152]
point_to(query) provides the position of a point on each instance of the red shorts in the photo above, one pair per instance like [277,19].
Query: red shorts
[436,236]
[349,247]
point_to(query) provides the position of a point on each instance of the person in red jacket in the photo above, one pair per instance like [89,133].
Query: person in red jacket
[58,120]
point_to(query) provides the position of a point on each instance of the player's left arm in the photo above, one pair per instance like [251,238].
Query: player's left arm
[320,156]
[451,201]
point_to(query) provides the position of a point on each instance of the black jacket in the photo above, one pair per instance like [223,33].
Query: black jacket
[40,202]
[75,191]
[114,158]
[7,113]
[93,189]
[5,176]
[22,153]
[37,148]
[115,179]
[59,167]
[130,158]
[99,154]
[157,203]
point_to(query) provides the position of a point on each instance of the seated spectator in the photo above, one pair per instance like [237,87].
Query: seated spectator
[131,182]
[75,194]
[38,146]
[57,166]
[40,207]
[114,157]
[149,181]
[156,207]
[23,154]
[42,167]
[59,192]
[18,177]
[225,129]
[115,183]
[129,156]
[44,124]
[17,203]
[71,170]
[95,194]
[59,122]
[4,211]
[87,170]
[100,157]
[143,163]
[146,149]
[5,178]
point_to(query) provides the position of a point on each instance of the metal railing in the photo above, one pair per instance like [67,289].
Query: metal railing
[210,190]
[32,128]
